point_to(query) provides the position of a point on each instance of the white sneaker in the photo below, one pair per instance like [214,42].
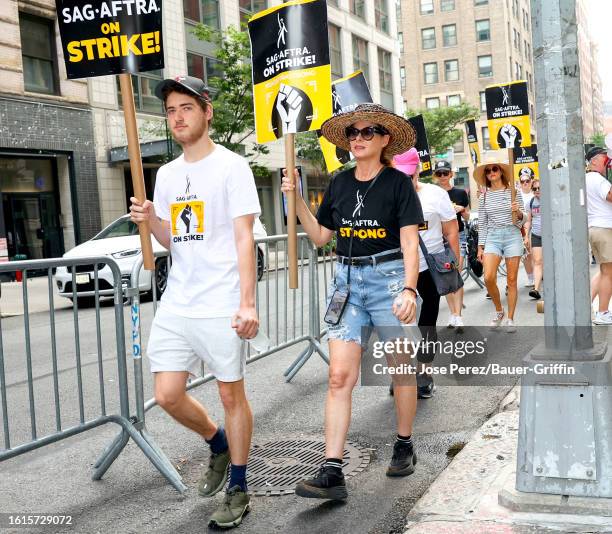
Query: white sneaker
[510,326]
[603,318]
[530,283]
[459,324]
[452,321]
[497,320]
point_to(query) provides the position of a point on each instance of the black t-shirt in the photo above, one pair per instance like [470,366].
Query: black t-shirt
[459,197]
[390,204]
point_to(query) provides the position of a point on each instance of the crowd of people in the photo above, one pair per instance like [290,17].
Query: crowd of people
[382,279]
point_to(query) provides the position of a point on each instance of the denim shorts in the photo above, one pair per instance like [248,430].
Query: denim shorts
[373,290]
[506,242]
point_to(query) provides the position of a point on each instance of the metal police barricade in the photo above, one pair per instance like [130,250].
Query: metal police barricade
[41,353]
[286,317]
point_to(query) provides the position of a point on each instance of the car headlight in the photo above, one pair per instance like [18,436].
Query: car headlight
[126,253]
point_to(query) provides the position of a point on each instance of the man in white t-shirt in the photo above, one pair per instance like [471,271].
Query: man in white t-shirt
[203,209]
[599,212]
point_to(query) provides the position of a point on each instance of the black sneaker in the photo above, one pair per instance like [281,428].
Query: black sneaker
[425,386]
[535,294]
[328,484]
[403,460]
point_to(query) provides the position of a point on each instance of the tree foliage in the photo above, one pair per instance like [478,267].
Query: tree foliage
[444,124]
[232,93]
[599,139]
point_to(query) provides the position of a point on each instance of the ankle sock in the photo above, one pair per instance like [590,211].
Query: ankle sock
[218,443]
[336,463]
[404,440]
[238,477]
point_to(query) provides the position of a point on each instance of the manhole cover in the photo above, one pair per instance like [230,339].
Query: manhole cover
[276,467]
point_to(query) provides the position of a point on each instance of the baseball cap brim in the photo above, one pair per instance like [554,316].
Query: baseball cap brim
[172,83]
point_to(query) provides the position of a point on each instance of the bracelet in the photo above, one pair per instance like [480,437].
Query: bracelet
[406,288]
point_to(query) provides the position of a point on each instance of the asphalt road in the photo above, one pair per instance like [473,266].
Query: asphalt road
[134,497]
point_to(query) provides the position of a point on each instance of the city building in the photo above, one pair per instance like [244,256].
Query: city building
[453,49]
[607,112]
[590,81]
[48,181]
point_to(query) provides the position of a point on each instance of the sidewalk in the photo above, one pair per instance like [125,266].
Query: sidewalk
[465,497]
[11,301]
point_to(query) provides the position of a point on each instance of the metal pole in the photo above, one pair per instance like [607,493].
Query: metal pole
[565,425]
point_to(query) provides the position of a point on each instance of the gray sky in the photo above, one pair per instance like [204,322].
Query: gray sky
[600,23]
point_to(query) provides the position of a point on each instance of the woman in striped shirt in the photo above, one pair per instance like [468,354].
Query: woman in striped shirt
[498,236]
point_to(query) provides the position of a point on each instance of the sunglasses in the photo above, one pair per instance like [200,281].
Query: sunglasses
[535,188]
[489,170]
[367,133]
[442,173]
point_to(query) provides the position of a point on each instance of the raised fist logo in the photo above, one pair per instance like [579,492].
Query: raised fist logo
[288,106]
[509,136]
[474,156]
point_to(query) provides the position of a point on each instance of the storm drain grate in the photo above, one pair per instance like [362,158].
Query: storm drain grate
[275,467]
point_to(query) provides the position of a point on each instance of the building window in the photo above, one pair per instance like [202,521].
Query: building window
[204,11]
[249,7]
[38,54]
[360,55]
[203,67]
[358,8]
[432,103]
[453,100]
[381,15]
[483,30]
[485,66]
[144,91]
[403,78]
[335,51]
[458,147]
[428,38]
[481,2]
[483,101]
[385,78]
[449,35]
[486,142]
[447,5]
[451,70]
[427,7]
[431,72]
[400,36]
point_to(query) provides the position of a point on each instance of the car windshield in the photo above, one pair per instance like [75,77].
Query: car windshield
[120,228]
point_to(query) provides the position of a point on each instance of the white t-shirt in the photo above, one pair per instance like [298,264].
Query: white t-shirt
[200,200]
[526,199]
[437,208]
[599,210]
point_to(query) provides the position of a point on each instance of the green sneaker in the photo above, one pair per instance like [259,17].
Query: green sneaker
[234,507]
[215,477]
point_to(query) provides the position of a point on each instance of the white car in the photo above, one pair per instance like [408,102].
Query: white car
[121,242]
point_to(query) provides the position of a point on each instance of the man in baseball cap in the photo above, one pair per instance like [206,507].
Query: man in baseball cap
[599,212]
[203,210]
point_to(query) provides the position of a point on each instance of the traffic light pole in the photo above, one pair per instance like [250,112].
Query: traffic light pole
[565,430]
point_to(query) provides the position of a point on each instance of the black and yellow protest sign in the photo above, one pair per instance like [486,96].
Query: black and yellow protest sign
[526,163]
[508,115]
[347,94]
[110,37]
[422,145]
[472,138]
[291,68]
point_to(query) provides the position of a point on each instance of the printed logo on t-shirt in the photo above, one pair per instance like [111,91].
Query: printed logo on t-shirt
[187,221]
[424,226]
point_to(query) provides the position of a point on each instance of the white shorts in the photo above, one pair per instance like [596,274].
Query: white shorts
[181,343]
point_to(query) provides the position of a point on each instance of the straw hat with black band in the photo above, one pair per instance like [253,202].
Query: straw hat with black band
[403,135]
[480,177]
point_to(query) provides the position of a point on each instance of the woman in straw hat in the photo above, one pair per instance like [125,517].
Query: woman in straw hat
[375,214]
[498,236]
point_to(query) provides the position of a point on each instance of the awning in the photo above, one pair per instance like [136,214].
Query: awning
[150,149]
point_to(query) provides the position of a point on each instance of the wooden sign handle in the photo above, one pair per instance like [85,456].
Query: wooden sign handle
[291,213]
[512,182]
[131,128]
